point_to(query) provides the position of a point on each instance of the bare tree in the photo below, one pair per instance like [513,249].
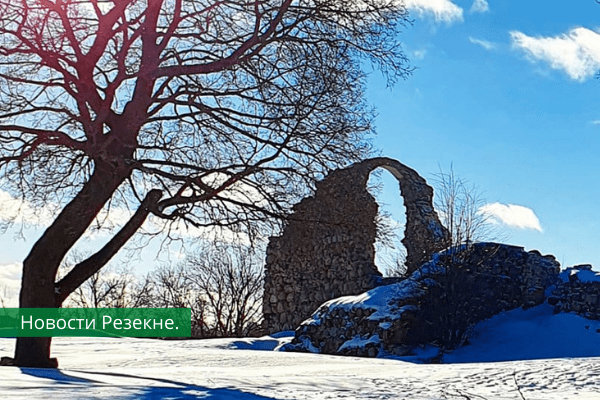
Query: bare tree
[210,113]
[109,287]
[458,204]
[395,265]
[230,279]
[173,290]
[5,295]
[222,284]
[100,291]
[391,253]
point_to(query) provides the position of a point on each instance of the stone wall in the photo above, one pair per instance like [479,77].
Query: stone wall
[436,305]
[327,248]
[578,292]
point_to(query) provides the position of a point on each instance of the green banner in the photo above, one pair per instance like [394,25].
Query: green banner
[91,322]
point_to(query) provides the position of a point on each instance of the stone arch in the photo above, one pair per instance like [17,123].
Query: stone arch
[327,248]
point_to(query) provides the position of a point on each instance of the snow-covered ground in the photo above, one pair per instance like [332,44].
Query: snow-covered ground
[550,350]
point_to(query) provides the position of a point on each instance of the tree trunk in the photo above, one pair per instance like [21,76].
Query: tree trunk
[41,265]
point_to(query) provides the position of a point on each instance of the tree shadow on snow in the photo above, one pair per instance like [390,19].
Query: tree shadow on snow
[175,390]
[194,393]
[55,375]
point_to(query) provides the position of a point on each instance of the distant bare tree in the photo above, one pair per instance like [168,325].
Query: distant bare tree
[230,278]
[395,265]
[107,288]
[222,284]
[173,290]
[458,204]
[391,254]
[5,294]
[102,289]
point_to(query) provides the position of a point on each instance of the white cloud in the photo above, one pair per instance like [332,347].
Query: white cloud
[512,215]
[483,43]
[10,284]
[480,6]
[442,10]
[576,52]
[108,220]
[419,54]
[19,211]
[12,209]
[180,230]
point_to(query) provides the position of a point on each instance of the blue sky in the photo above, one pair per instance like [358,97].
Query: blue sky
[505,92]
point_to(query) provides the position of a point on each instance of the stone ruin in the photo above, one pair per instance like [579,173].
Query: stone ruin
[578,291]
[437,304]
[327,249]
[321,280]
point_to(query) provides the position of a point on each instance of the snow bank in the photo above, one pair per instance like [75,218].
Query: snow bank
[536,333]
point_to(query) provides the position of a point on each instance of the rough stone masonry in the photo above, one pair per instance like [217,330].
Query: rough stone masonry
[327,248]
[437,304]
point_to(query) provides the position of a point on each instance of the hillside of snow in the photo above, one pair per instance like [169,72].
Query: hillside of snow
[558,357]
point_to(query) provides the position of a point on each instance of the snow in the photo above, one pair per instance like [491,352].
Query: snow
[360,342]
[377,299]
[584,276]
[530,334]
[556,357]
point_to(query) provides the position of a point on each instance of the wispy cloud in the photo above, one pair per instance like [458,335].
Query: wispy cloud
[109,220]
[441,10]
[12,209]
[576,52]
[512,215]
[22,211]
[483,43]
[480,6]
[419,54]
